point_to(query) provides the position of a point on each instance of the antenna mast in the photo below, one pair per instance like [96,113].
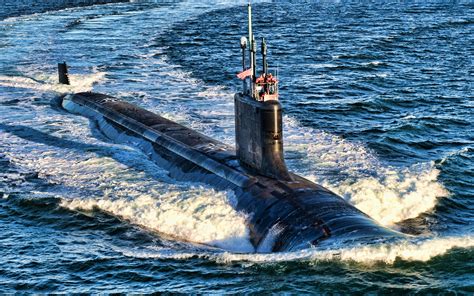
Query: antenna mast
[252,50]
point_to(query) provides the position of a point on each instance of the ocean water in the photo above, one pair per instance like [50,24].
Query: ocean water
[379,108]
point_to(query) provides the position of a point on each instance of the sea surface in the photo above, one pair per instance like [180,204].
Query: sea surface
[379,107]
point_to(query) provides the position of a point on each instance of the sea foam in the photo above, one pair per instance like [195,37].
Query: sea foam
[414,250]
[48,82]
[386,193]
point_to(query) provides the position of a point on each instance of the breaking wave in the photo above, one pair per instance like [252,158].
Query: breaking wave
[198,215]
[386,193]
[419,250]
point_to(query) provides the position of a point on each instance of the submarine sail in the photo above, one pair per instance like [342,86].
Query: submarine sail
[296,212]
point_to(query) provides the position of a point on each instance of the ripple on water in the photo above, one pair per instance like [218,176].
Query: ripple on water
[378,109]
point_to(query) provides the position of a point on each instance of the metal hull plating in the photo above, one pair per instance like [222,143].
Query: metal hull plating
[295,213]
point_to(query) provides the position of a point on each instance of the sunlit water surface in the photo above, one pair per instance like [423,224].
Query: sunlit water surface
[379,108]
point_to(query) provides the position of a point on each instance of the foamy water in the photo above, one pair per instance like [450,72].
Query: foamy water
[354,69]
[197,215]
[418,250]
[48,83]
[387,194]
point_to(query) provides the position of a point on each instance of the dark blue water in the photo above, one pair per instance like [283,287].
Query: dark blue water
[379,108]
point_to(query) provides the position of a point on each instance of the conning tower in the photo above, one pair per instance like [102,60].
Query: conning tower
[258,115]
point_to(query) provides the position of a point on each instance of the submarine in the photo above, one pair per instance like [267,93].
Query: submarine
[283,209]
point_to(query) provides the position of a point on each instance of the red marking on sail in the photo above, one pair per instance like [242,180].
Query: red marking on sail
[244,74]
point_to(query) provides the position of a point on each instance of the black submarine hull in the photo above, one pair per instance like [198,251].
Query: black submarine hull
[290,213]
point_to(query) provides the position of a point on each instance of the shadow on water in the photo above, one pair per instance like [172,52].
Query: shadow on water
[34,135]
